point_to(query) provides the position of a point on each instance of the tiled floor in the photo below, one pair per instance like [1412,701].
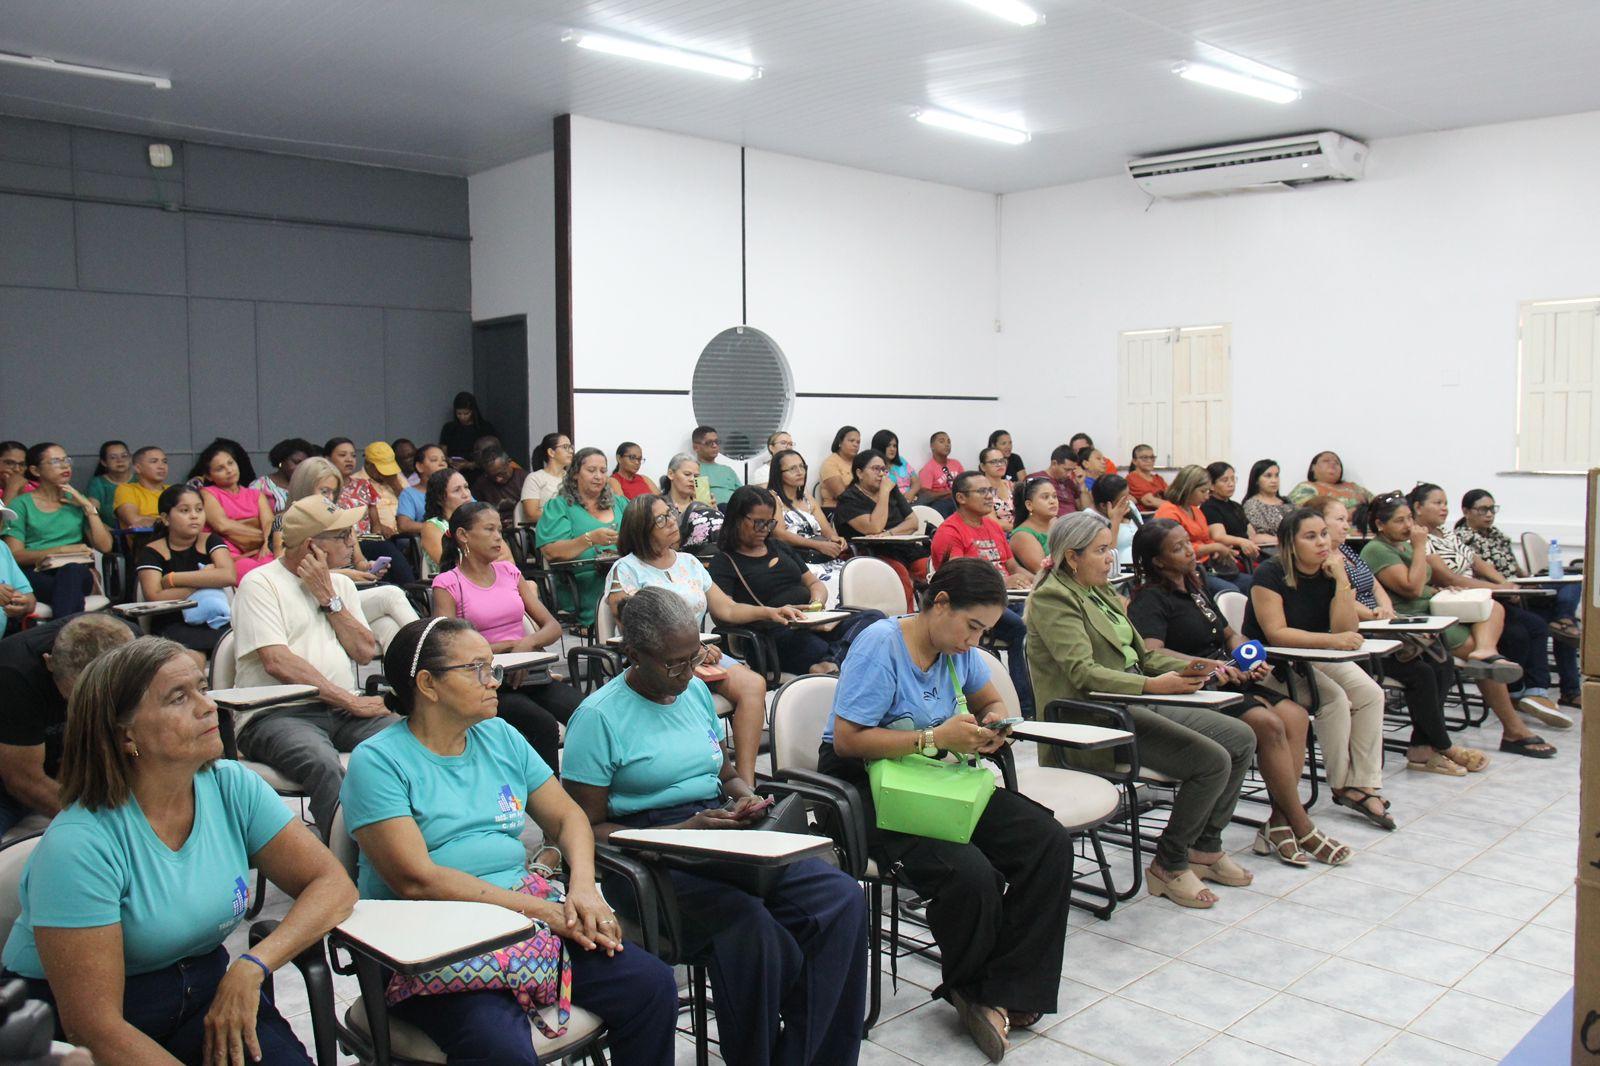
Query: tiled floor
[1439,943]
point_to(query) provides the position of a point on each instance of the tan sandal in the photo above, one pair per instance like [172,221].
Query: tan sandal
[990,1037]
[1472,759]
[1223,871]
[1184,889]
[1325,849]
[1279,841]
[1437,764]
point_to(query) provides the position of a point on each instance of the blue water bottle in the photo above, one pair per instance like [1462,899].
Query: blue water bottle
[1555,557]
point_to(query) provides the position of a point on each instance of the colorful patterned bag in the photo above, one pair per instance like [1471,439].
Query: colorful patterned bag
[535,970]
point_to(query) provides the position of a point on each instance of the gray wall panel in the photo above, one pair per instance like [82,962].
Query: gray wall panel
[223,401]
[320,264]
[72,358]
[130,249]
[34,177]
[36,242]
[418,383]
[27,141]
[321,372]
[320,190]
[121,153]
[124,187]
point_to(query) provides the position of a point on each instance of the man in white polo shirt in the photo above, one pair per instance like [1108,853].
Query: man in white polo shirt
[295,622]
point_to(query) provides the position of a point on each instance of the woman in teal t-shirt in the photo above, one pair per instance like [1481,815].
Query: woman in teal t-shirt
[140,879]
[581,522]
[439,800]
[114,468]
[55,519]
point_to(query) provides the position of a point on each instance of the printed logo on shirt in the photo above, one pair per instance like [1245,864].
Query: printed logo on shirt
[241,896]
[989,551]
[716,747]
[510,807]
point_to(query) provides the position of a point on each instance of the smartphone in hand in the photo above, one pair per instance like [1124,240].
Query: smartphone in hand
[1004,723]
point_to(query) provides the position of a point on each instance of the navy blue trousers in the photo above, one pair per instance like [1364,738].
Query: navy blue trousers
[633,992]
[64,589]
[1011,629]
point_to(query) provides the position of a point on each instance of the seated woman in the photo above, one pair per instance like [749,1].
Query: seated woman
[186,561]
[550,460]
[835,475]
[1173,612]
[446,490]
[1081,641]
[1303,599]
[788,971]
[1190,489]
[14,479]
[755,569]
[872,505]
[698,522]
[779,441]
[626,481]
[581,522]
[1148,487]
[938,475]
[1476,530]
[1016,469]
[1113,500]
[1398,555]
[247,468]
[1264,509]
[1427,677]
[55,519]
[114,467]
[285,457]
[991,464]
[1095,465]
[1325,477]
[138,881]
[648,545]
[1229,524]
[241,516]
[1078,442]
[436,803]
[900,471]
[412,510]
[916,685]
[465,428]
[1526,639]
[359,492]
[1028,540]
[490,592]
[803,528]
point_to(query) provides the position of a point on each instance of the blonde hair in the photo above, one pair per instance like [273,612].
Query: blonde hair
[1185,481]
[310,473]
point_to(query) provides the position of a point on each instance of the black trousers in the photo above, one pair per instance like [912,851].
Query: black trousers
[399,572]
[997,906]
[534,710]
[64,589]
[1426,683]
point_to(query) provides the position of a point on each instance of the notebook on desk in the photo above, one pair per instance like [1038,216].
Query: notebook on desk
[258,696]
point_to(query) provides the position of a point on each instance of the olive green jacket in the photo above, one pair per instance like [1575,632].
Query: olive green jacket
[1074,650]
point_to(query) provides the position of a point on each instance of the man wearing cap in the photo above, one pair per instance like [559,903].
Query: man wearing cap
[295,622]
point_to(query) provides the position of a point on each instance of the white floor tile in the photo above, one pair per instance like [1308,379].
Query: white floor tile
[1368,991]
[1312,1032]
[1390,871]
[1199,995]
[1550,948]
[1413,955]
[1474,1024]
[1130,1034]
[1107,964]
[1309,927]
[1353,899]
[1256,958]
[1486,894]
[1232,1051]
[1521,984]
[1409,1049]
[1455,925]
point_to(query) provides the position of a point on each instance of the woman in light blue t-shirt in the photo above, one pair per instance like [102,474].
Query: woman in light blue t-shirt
[438,804]
[137,882]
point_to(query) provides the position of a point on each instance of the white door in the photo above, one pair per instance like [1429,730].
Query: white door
[1201,424]
[1144,390]
[1556,426]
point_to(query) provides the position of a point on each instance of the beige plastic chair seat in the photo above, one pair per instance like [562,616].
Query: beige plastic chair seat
[93,602]
[408,1043]
[282,784]
[1079,800]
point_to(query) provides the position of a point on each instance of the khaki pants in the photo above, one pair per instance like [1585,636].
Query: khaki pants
[1349,722]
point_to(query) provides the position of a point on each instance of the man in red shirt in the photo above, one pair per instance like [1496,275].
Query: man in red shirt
[972,533]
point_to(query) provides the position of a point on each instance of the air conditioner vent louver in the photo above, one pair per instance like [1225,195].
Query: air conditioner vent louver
[1290,161]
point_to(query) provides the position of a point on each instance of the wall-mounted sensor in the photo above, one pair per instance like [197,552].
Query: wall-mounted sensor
[161,156]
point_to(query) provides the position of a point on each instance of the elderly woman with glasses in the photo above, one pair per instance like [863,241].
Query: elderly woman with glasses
[788,970]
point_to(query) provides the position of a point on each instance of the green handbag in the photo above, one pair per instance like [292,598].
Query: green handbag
[927,798]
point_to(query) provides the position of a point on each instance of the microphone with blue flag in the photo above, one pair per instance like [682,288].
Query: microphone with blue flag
[1249,655]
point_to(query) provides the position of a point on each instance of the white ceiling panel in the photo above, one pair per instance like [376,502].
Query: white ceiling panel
[457,86]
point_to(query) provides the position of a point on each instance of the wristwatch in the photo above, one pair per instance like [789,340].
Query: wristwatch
[333,606]
[929,748]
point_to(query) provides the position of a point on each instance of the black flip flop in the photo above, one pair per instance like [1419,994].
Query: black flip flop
[1382,821]
[1525,745]
[1499,668]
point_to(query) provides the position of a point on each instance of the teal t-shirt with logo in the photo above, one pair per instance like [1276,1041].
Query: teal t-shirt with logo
[108,867]
[469,807]
[650,755]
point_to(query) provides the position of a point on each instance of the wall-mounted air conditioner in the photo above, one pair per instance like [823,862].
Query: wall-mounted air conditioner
[1284,162]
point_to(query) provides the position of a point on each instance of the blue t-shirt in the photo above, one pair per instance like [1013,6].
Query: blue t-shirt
[880,686]
[106,867]
[469,807]
[412,504]
[10,573]
[650,755]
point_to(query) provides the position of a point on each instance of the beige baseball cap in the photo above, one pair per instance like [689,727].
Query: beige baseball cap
[313,515]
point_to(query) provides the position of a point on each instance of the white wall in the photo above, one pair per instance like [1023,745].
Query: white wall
[1377,318]
[512,210]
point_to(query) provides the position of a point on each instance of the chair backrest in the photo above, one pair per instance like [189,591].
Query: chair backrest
[865,582]
[1535,553]
[1232,605]
[931,518]
[605,623]
[224,664]
[1000,678]
[342,844]
[13,857]
[800,712]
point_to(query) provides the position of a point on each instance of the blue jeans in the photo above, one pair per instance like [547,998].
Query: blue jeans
[169,1006]
[1567,604]
[1011,629]
[1526,642]
[65,588]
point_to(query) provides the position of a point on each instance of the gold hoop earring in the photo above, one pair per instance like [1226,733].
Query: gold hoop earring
[134,749]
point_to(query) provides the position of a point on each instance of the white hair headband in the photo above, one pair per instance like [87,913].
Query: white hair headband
[416,656]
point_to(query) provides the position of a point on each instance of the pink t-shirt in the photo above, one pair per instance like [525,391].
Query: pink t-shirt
[240,505]
[937,476]
[497,611]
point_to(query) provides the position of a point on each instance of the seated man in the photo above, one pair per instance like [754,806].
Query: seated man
[1066,474]
[499,484]
[135,500]
[937,476]
[719,479]
[38,669]
[972,533]
[297,623]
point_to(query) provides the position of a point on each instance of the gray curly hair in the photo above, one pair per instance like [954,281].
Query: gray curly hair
[651,616]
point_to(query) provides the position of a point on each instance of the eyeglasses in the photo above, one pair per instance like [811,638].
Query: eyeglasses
[1480,509]
[762,525]
[988,491]
[563,447]
[485,672]
[60,462]
[663,520]
[994,462]
[877,468]
[678,669]
[634,458]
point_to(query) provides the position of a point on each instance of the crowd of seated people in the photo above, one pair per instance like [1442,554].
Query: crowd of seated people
[307,567]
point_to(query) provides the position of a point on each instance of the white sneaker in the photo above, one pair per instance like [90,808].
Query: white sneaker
[1545,709]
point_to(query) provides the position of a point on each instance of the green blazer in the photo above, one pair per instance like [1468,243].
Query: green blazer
[1073,650]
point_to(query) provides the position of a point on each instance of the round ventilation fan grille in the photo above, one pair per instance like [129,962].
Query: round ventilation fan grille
[743,387]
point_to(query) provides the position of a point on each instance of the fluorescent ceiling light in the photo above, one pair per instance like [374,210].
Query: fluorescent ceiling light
[1219,78]
[1010,10]
[949,120]
[660,53]
[46,63]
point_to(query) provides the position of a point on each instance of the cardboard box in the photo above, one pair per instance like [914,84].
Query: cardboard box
[1589,788]
[1586,978]
[1591,588]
